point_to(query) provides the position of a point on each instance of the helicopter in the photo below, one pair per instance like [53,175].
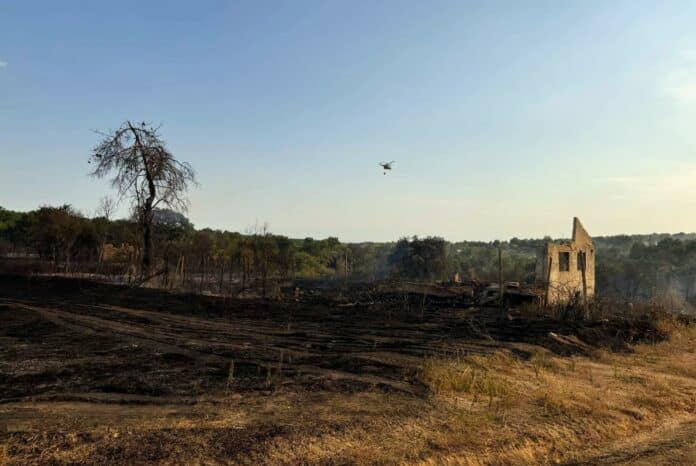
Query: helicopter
[386,165]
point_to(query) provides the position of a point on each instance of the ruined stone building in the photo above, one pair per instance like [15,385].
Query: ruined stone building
[566,271]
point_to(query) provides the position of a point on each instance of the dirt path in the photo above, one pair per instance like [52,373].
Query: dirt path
[673,444]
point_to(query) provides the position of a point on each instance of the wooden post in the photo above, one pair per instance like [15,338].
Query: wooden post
[501,287]
[548,281]
[345,270]
[584,283]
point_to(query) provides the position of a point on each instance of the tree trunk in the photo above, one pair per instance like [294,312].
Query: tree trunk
[244,274]
[204,273]
[183,271]
[147,238]
[147,208]
[231,284]
[166,270]
[67,261]
[100,257]
[222,275]
[264,275]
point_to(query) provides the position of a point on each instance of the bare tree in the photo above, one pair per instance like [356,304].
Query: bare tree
[144,170]
[106,207]
[102,215]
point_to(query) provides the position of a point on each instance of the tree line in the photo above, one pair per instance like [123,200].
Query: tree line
[61,239]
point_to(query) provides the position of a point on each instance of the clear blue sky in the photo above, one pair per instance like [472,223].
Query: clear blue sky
[505,118]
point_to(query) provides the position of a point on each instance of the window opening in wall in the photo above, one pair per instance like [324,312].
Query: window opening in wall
[564,261]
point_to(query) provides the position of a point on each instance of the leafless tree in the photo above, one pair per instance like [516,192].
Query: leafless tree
[102,215]
[106,207]
[145,171]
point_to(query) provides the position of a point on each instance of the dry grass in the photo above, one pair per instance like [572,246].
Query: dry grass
[497,409]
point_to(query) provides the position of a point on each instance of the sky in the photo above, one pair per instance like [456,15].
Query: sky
[505,119]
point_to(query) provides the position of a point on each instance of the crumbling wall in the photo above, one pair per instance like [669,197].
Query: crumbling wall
[559,268]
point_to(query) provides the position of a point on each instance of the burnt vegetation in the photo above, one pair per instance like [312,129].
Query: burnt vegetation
[637,268]
[146,340]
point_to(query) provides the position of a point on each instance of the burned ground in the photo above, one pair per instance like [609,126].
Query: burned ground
[63,337]
[232,380]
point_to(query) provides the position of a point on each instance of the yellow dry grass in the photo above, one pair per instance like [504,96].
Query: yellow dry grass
[482,410]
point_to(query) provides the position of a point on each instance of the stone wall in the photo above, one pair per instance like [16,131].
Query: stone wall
[559,267]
